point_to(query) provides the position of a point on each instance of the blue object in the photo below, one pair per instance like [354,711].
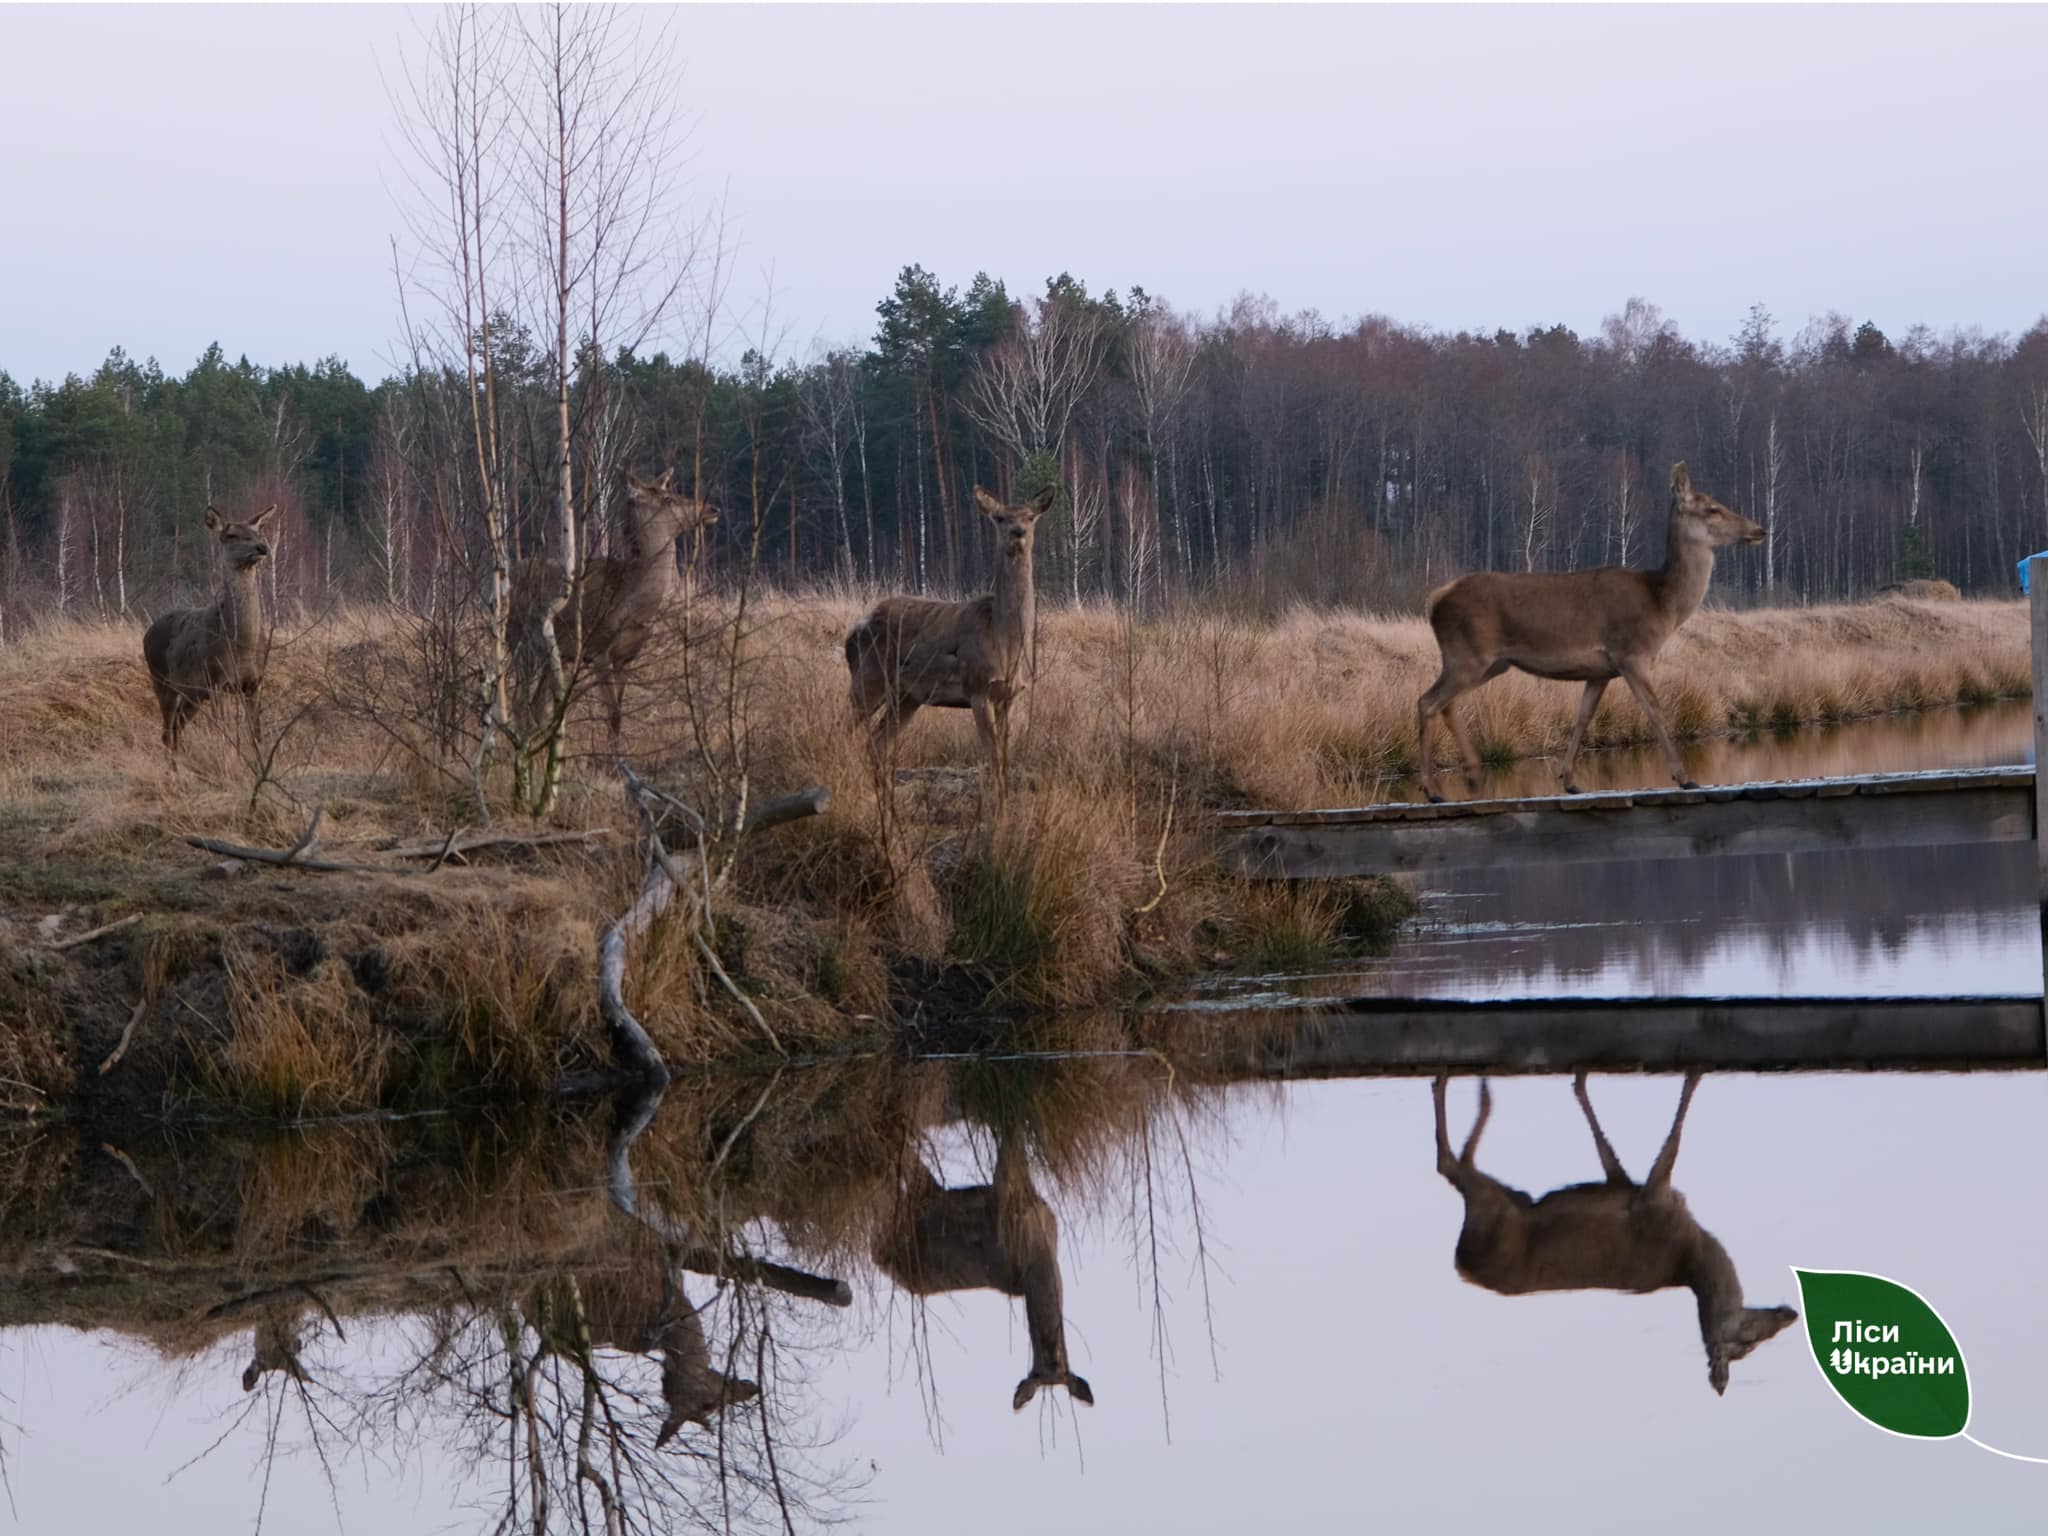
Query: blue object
[2023,569]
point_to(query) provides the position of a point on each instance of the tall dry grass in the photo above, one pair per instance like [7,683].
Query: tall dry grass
[1318,708]
[1096,880]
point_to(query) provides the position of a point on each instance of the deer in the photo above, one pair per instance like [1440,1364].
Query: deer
[277,1340]
[619,1314]
[194,653]
[1577,626]
[999,1236]
[615,600]
[909,652]
[1616,1235]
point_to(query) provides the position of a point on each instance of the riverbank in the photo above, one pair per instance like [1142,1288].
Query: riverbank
[409,980]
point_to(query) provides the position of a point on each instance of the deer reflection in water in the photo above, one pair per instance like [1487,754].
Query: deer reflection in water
[999,1236]
[576,1314]
[1615,1235]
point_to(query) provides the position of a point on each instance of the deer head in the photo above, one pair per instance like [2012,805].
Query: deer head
[1700,519]
[1077,1387]
[1014,525]
[244,544]
[658,514]
[692,1398]
[1733,1334]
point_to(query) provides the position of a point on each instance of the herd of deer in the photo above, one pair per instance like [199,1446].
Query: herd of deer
[1614,1235]
[975,654]
[910,652]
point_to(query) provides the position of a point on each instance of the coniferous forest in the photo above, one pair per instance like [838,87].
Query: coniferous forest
[1264,457]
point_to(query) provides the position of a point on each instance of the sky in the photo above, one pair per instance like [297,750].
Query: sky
[178,175]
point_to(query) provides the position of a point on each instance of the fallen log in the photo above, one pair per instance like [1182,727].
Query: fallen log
[463,846]
[667,875]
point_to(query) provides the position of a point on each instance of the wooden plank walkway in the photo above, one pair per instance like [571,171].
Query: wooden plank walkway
[1896,810]
[1387,1038]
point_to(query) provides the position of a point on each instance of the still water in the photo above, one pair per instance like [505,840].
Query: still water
[433,1325]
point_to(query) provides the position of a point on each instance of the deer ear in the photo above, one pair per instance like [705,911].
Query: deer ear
[263,517]
[214,521]
[1042,502]
[990,507]
[1681,479]
[635,486]
[667,478]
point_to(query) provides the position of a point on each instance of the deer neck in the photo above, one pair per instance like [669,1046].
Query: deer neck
[241,608]
[1710,1276]
[1029,1244]
[1015,607]
[1681,582]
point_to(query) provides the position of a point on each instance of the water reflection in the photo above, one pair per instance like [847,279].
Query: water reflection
[999,1236]
[1616,1235]
[1991,736]
[1900,922]
[456,1324]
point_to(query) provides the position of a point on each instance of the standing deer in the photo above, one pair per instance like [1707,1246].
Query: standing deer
[194,653]
[1580,626]
[998,1237]
[974,654]
[613,605]
[1613,1236]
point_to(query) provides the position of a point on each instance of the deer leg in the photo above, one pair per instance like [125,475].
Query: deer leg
[1660,1175]
[896,713]
[1589,702]
[1436,701]
[1471,1146]
[1639,685]
[614,686]
[1609,1163]
[991,744]
[1446,1160]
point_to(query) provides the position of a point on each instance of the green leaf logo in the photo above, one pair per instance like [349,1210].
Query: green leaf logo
[1886,1352]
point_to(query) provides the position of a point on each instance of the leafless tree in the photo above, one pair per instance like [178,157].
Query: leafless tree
[544,149]
[1026,388]
[1161,350]
[828,394]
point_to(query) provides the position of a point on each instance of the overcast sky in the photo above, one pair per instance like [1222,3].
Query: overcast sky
[174,176]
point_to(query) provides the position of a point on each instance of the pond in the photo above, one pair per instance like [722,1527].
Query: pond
[432,1324]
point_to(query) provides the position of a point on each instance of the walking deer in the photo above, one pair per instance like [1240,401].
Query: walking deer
[613,604]
[913,651]
[1578,626]
[1617,1236]
[194,653]
[999,1237]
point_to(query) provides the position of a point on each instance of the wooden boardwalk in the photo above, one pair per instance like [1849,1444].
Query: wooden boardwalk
[1372,1037]
[1893,810]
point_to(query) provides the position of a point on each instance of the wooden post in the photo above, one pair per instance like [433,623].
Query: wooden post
[2037,608]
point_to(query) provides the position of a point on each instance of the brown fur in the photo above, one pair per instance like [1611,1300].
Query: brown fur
[194,653]
[1581,626]
[621,1311]
[611,612]
[912,651]
[1615,1236]
[998,1237]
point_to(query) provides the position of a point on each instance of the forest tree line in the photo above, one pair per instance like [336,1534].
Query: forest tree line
[1262,456]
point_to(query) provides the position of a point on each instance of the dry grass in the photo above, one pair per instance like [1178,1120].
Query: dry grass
[399,989]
